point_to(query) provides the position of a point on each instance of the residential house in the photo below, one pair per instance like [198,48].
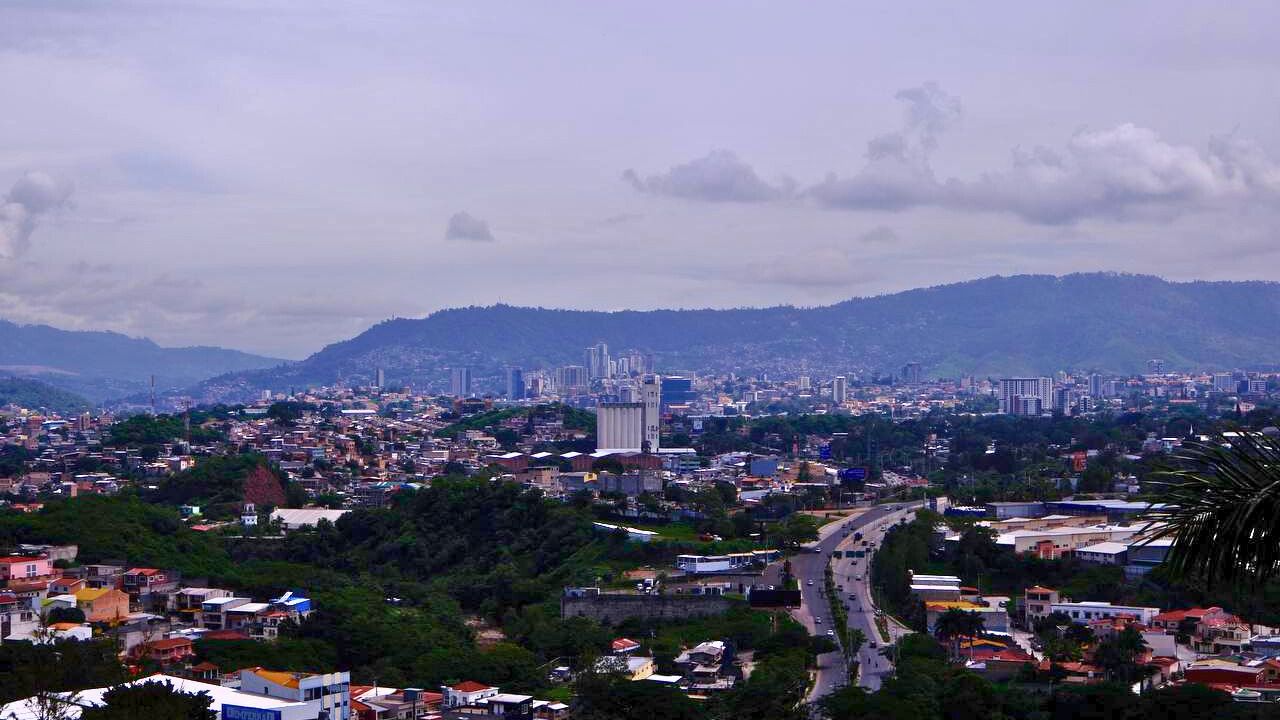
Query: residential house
[1037,603]
[106,605]
[25,568]
[327,694]
[1217,671]
[167,651]
[213,611]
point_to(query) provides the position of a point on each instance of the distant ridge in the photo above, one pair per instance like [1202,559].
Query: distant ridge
[101,365]
[996,325]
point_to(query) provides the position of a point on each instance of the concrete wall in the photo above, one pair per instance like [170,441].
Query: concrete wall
[611,609]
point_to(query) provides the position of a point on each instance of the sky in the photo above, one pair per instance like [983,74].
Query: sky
[274,177]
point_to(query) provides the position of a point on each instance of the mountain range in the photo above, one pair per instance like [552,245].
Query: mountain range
[104,365]
[1024,324]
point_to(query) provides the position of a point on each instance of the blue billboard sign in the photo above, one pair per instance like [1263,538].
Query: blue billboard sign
[240,712]
[824,451]
[853,473]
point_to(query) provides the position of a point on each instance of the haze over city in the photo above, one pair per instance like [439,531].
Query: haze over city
[275,177]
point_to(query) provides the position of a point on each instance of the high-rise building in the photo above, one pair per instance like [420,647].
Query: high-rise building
[597,360]
[912,373]
[1257,386]
[572,379]
[460,385]
[1224,382]
[1095,385]
[839,391]
[380,378]
[805,383]
[1155,366]
[515,383]
[1014,391]
[677,390]
[651,396]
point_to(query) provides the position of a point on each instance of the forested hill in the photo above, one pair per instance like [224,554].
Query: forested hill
[998,325]
[100,365]
[35,395]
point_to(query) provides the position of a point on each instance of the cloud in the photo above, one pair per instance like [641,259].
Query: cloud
[897,174]
[719,176]
[880,235]
[465,226]
[1119,173]
[31,197]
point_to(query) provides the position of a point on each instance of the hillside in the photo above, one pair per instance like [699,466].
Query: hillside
[101,365]
[998,325]
[34,395]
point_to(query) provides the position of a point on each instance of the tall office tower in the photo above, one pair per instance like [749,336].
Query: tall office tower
[1224,382]
[623,366]
[515,383]
[677,390]
[839,391]
[1063,399]
[1095,385]
[620,426]
[651,397]
[597,359]
[1014,393]
[571,379]
[912,373]
[805,383]
[380,378]
[1155,366]
[460,385]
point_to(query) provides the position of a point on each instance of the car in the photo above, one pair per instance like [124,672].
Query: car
[873,644]
[831,633]
[817,621]
[858,578]
[809,582]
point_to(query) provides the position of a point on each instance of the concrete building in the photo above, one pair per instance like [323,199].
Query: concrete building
[1083,612]
[839,390]
[1019,396]
[460,382]
[651,397]
[620,426]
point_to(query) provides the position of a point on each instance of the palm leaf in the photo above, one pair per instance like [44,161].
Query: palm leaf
[1222,509]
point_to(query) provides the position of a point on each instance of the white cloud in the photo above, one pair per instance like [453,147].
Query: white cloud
[719,176]
[30,198]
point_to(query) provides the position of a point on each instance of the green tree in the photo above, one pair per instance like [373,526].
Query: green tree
[151,700]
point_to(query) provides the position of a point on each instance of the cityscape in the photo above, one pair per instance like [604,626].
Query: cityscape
[582,361]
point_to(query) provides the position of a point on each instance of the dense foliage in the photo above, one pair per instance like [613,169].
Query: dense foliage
[35,394]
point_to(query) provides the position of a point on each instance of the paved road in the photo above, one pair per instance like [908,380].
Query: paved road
[853,576]
[809,569]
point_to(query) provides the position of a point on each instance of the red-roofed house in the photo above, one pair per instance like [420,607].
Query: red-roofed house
[1171,620]
[23,568]
[170,650]
[624,646]
[467,692]
[998,663]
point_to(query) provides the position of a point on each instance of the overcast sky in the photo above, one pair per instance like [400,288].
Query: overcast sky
[278,177]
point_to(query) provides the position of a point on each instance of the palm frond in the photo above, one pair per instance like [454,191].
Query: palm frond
[1221,508]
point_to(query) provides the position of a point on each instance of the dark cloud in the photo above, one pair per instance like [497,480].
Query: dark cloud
[881,235]
[32,196]
[465,226]
[719,176]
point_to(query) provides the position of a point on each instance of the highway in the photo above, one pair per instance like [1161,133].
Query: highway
[853,575]
[814,613]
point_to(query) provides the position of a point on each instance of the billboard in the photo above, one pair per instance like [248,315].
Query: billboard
[240,712]
[775,598]
[854,473]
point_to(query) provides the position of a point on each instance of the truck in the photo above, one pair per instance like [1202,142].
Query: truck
[857,536]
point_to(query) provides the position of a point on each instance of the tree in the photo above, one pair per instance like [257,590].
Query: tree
[955,624]
[65,615]
[608,696]
[1119,655]
[796,529]
[151,700]
[1221,502]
